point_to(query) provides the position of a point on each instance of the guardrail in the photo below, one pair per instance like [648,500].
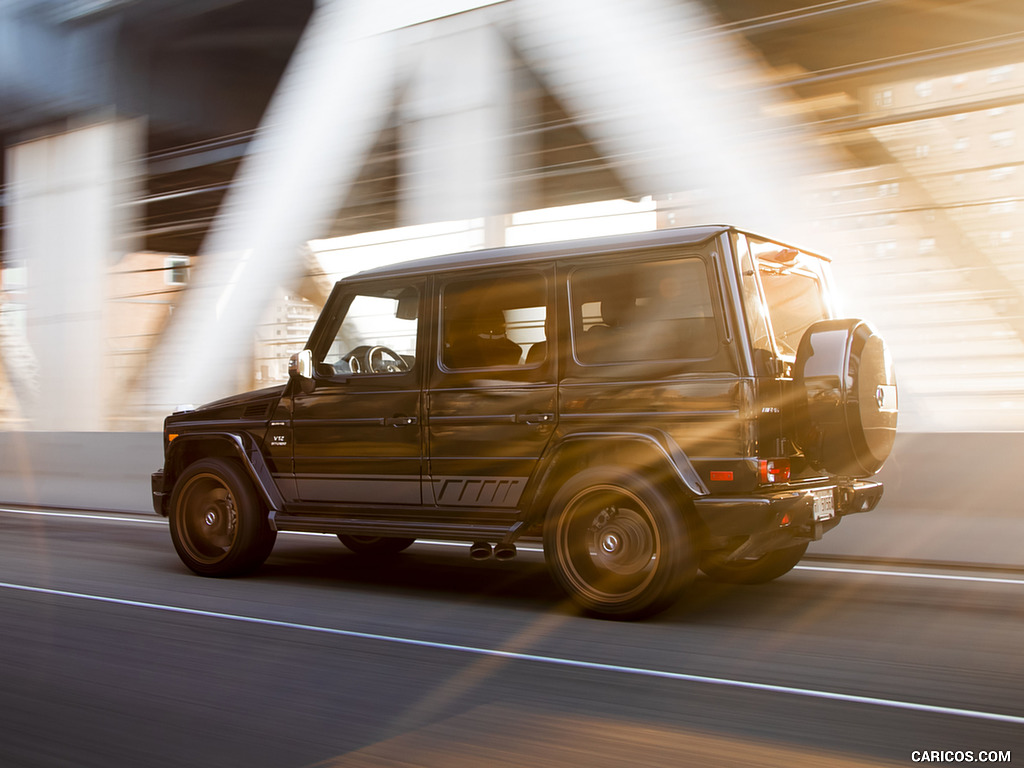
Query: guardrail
[79,470]
[949,497]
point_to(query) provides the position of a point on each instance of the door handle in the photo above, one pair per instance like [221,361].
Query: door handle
[400,421]
[534,418]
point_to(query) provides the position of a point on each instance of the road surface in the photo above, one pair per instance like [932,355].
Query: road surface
[113,654]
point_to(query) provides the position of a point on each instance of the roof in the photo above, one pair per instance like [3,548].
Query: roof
[524,254]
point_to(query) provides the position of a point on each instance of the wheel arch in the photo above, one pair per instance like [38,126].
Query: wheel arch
[186,449]
[655,454]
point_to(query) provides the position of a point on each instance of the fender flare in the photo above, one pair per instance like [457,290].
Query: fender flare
[659,442]
[239,445]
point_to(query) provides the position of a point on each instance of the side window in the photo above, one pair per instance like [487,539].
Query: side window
[494,323]
[377,333]
[631,312]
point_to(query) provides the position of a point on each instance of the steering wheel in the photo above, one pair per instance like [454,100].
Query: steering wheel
[375,359]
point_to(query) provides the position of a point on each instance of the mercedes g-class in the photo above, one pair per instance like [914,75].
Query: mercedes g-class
[649,405]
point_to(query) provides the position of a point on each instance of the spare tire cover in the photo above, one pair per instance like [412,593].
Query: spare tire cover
[846,404]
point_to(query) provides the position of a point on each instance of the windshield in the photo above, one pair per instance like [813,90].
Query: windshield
[794,291]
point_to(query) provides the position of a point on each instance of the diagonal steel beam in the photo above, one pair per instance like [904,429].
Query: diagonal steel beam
[331,104]
[640,78]
[652,90]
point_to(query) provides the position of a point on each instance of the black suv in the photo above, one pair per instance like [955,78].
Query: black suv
[649,404]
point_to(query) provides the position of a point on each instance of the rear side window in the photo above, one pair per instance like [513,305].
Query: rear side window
[643,311]
[498,322]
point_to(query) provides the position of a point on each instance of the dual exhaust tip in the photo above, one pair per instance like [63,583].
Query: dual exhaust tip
[481,550]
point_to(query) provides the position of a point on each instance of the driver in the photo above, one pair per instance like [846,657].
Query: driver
[494,348]
[479,341]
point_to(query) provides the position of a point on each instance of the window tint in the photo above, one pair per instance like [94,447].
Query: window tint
[377,334]
[493,323]
[659,310]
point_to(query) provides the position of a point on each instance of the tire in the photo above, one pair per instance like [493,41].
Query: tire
[375,545]
[846,404]
[218,523]
[760,570]
[616,545]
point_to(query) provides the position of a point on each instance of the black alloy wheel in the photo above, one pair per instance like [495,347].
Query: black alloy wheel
[616,545]
[218,523]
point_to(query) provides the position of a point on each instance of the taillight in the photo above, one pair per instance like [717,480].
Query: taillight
[774,470]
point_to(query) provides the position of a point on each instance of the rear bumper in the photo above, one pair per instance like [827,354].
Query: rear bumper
[789,513]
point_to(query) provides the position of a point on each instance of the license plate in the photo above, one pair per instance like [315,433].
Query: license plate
[824,506]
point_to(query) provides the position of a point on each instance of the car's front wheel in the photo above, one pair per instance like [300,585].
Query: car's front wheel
[616,544]
[218,523]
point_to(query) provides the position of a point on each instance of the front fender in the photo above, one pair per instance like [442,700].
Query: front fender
[187,448]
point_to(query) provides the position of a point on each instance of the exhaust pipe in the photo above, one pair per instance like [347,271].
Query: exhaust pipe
[480,550]
[504,552]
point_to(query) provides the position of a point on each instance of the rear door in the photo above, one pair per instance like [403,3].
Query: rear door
[492,396]
[652,353]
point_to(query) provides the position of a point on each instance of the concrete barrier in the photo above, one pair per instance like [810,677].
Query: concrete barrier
[950,497]
[79,470]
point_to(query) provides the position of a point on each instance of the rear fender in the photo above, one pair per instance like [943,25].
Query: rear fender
[660,455]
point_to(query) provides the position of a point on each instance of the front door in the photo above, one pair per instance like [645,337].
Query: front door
[356,431]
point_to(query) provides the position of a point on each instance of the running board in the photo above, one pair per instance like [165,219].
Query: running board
[394,529]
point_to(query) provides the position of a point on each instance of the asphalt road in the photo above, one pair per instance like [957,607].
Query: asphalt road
[112,654]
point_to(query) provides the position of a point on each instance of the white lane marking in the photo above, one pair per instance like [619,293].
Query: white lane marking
[552,660]
[87,516]
[908,574]
[821,568]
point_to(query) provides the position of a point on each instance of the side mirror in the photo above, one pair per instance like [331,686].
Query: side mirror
[301,365]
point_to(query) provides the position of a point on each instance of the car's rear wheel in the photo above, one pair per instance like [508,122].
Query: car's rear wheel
[375,545]
[218,523]
[758,570]
[616,545]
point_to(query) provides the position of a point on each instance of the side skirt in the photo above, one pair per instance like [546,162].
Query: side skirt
[451,524]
